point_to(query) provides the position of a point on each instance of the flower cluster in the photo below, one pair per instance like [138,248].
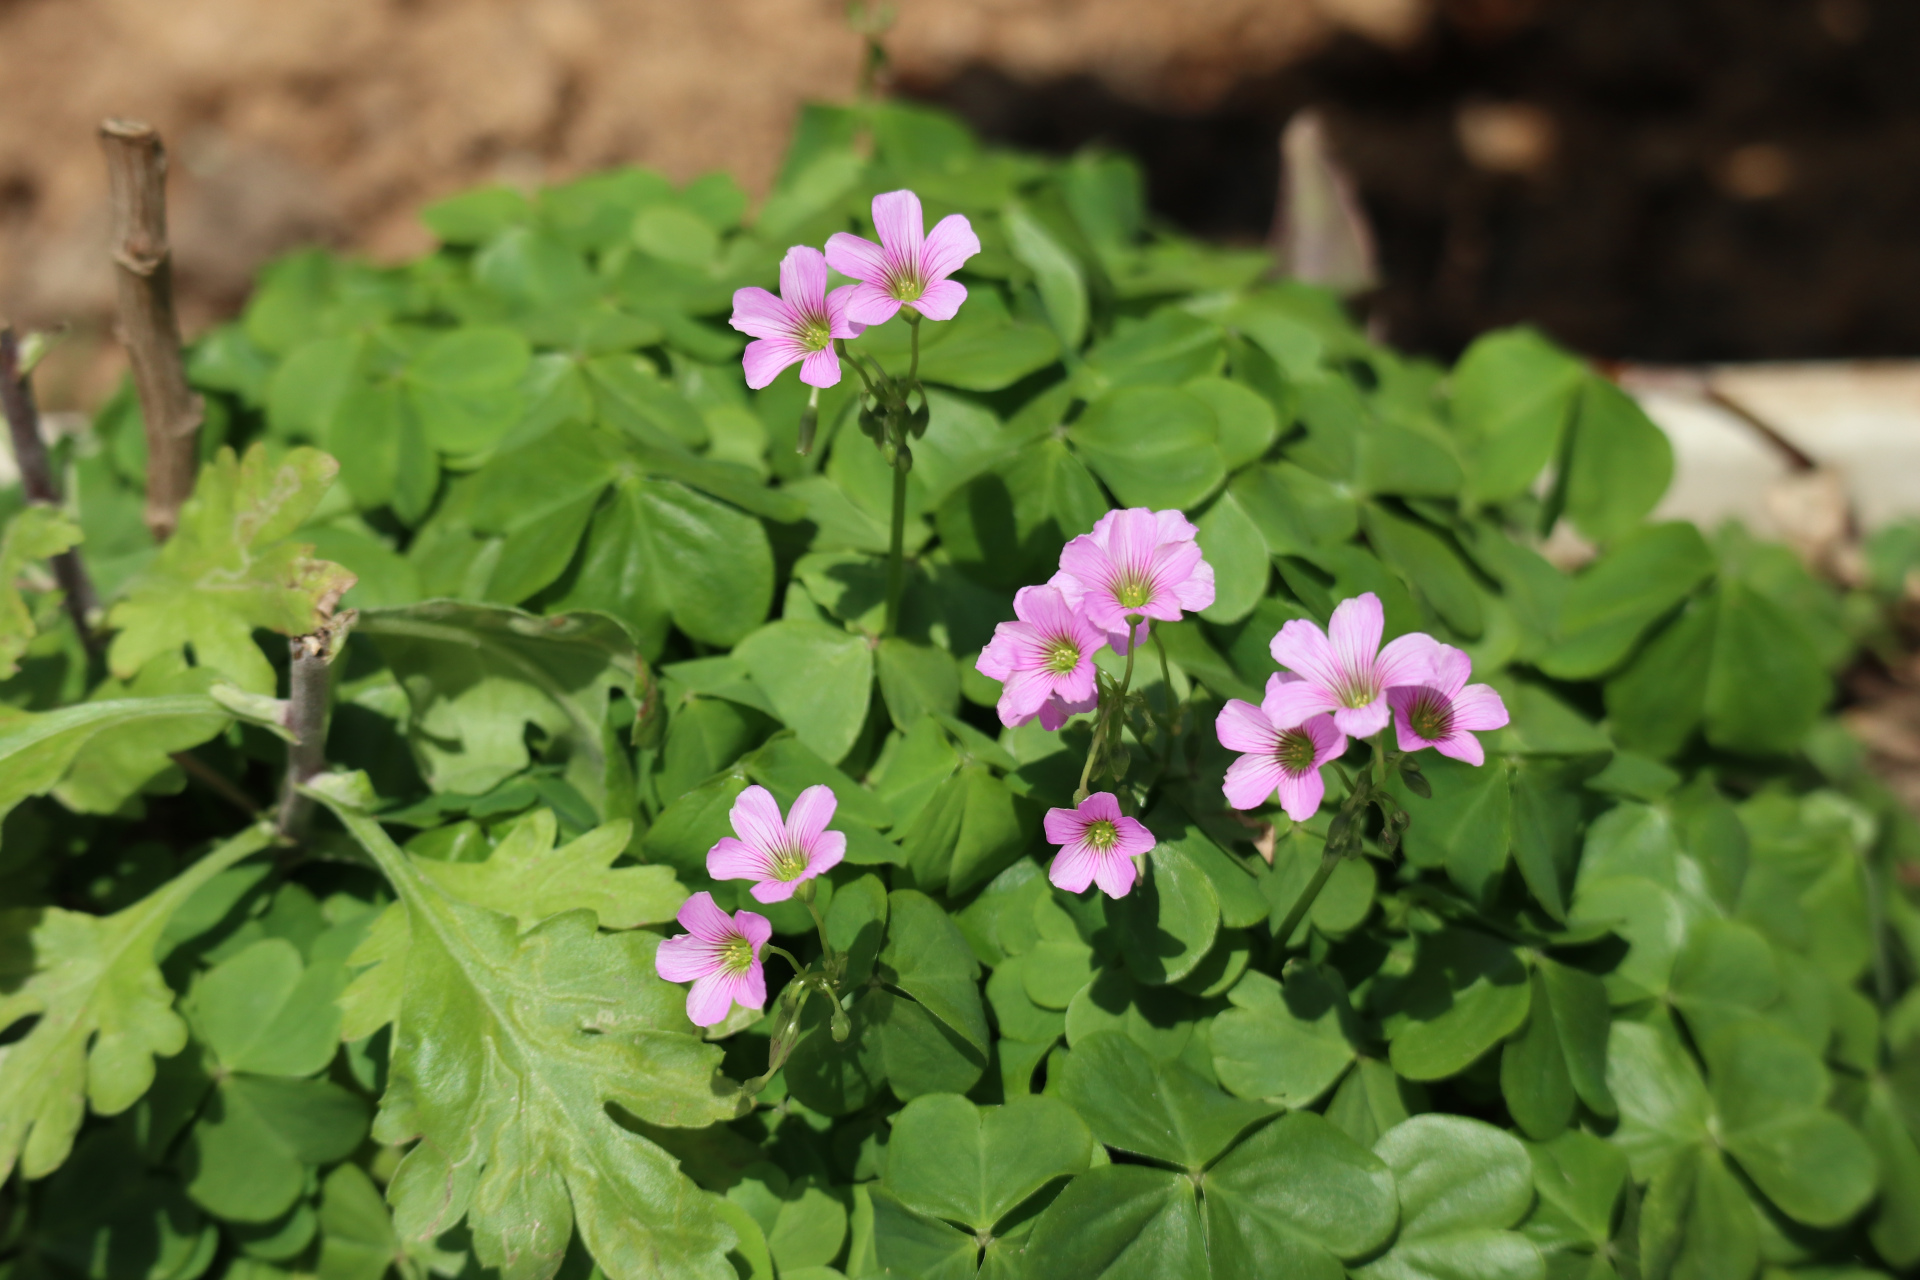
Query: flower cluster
[1340,683]
[1135,567]
[908,268]
[719,954]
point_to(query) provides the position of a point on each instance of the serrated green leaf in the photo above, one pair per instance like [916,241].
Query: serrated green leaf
[36,533]
[527,878]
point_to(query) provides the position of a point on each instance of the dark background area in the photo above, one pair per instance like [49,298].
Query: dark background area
[1665,180]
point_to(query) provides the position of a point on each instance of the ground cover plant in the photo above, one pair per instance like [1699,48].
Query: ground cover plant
[1088,774]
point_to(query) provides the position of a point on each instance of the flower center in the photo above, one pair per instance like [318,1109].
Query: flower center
[814,333]
[1356,694]
[1062,656]
[789,863]
[905,286]
[1102,835]
[1295,752]
[736,954]
[1134,593]
[1430,716]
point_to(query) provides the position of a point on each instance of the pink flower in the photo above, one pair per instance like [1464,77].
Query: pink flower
[907,266]
[1346,672]
[798,326]
[1044,662]
[1443,711]
[720,955]
[1097,844]
[778,853]
[1277,756]
[1135,562]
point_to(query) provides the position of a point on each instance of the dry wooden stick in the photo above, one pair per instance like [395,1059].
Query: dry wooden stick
[36,479]
[137,177]
[306,716]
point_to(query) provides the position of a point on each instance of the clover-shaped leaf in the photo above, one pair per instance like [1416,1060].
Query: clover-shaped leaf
[1461,1184]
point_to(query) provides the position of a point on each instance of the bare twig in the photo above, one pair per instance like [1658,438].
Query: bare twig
[36,479]
[306,717]
[215,781]
[137,173]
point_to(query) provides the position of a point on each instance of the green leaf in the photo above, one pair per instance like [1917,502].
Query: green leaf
[105,1217]
[970,829]
[818,678]
[1121,1222]
[1167,924]
[1006,528]
[357,1240]
[1765,685]
[1286,1044]
[1233,545]
[1696,1223]
[927,957]
[528,1149]
[1161,1110]
[1063,290]
[1664,1107]
[1614,601]
[1153,446]
[1620,463]
[464,386]
[803,1224]
[911,1244]
[476,675]
[527,878]
[102,1011]
[1467,993]
[974,1165]
[1247,425]
[111,770]
[249,1154]
[1461,1183]
[1512,392]
[1294,1198]
[923,1054]
[231,567]
[988,357]
[1579,1178]
[1656,702]
[916,680]
[35,534]
[1430,565]
[263,1010]
[1170,346]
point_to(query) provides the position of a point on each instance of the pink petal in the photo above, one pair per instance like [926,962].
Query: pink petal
[1251,779]
[1400,698]
[839,325]
[1241,726]
[685,958]
[1411,659]
[1022,696]
[1063,826]
[1076,686]
[948,246]
[1290,705]
[1131,837]
[902,227]
[870,303]
[1071,589]
[812,810]
[1073,868]
[755,928]
[1133,535]
[774,890]
[1328,742]
[702,917]
[941,300]
[761,315]
[1302,647]
[1101,806]
[1478,707]
[996,660]
[1362,722]
[828,852]
[750,988]
[803,279]
[1195,592]
[1056,711]
[821,368]
[1462,746]
[1120,640]
[756,819]
[855,258]
[711,998]
[764,359]
[1300,794]
[730,859]
[1354,634]
[1115,875]
[1171,526]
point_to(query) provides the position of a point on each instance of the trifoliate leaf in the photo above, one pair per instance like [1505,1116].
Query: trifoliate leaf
[104,1012]
[1461,1184]
[974,1165]
[250,1153]
[554,1024]
[232,567]
[34,534]
[527,878]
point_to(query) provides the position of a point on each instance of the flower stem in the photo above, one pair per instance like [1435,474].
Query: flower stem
[896,558]
[1106,712]
[913,363]
[1303,904]
[828,957]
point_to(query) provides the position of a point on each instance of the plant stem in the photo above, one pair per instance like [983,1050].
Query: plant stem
[215,781]
[1107,710]
[1303,904]
[913,363]
[306,717]
[36,480]
[137,180]
[896,555]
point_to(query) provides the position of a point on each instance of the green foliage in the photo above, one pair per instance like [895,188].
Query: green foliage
[1626,1002]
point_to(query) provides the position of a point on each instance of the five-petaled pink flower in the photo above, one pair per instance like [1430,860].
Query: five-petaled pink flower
[1443,711]
[1344,668]
[1044,661]
[1277,756]
[720,955]
[799,326]
[778,854]
[909,266]
[1097,846]
[1139,563]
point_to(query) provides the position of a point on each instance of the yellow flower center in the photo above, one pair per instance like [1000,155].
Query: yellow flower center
[1062,657]
[1102,834]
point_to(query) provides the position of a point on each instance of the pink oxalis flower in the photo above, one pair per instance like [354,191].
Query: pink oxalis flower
[1277,756]
[1097,845]
[778,854]
[909,267]
[1443,711]
[720,955]
[1135,562]
[1344,669]
[799,326]
[1044,661]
